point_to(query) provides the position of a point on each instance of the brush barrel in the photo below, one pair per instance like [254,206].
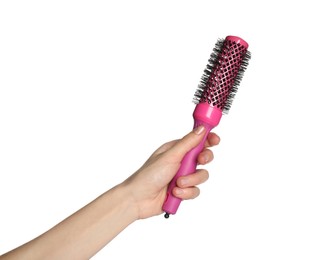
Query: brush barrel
[209,117]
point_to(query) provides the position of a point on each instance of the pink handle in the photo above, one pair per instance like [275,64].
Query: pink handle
[204,115]
[188,166]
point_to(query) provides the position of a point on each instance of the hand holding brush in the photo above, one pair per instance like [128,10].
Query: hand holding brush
[145,193]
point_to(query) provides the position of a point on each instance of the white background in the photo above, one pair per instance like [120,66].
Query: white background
[89,89]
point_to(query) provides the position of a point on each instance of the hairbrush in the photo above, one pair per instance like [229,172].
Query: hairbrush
[213,98]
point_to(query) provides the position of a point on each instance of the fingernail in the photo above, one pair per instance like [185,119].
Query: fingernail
[179,191]
[183,182]
[199,130]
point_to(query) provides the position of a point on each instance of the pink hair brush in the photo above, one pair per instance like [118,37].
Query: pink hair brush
[213,97]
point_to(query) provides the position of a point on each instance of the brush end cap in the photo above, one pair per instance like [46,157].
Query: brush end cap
[237,40]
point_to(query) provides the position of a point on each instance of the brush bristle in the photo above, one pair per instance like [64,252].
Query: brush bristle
[223,74]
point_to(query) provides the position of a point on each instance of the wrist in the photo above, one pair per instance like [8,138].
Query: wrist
[127,206]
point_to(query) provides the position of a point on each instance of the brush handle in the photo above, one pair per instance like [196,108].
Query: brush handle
[188,166]
[204,115]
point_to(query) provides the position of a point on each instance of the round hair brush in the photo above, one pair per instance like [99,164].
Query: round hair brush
[213,97]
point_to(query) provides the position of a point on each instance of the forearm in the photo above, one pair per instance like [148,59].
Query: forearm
[84,233]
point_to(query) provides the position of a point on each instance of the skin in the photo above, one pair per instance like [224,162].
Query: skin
[84,233]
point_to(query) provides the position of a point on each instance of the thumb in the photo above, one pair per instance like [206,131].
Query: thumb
[188,142]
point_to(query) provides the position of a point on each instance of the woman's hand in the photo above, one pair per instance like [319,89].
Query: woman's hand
[148,185]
